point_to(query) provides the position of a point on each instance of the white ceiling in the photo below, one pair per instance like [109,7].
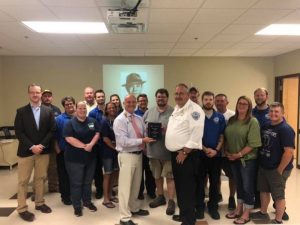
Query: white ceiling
[176,28]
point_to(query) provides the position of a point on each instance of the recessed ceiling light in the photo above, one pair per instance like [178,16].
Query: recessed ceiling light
[280,29]
[67,27]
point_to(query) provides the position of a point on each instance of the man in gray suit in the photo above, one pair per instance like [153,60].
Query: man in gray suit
[34,125]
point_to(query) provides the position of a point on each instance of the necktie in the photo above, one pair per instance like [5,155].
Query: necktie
[137,130]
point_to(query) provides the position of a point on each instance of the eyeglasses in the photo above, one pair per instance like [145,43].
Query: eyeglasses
[244,104]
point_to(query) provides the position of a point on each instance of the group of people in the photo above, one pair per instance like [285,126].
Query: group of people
[186,146]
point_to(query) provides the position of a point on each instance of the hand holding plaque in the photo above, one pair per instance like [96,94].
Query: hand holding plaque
[154,131]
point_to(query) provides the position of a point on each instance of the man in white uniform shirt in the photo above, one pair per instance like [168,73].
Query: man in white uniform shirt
[129,130]
[183,139]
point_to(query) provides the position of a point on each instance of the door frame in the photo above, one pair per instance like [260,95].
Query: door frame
[278,98]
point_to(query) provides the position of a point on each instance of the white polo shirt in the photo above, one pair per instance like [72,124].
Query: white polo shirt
[185,127]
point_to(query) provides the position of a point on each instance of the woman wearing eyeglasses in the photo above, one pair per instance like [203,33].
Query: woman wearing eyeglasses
[242,140]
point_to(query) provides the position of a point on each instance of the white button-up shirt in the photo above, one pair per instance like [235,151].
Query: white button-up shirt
[126,138]
[185,127]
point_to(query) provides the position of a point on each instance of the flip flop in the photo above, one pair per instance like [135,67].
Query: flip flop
[241,220]
[109,205]
[232,215]
[114,199]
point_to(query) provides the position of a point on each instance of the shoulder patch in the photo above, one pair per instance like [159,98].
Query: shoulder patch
[195,115]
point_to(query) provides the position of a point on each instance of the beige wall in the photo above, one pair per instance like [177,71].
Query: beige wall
[287,64]
[1,94]
[69,75]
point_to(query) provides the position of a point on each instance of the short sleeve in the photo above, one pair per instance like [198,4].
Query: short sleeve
[68,130]
[104,128]
[287,137]
[253,138]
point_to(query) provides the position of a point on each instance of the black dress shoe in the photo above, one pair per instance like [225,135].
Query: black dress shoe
[78,212]
[98,195]
[141,212]
[129,222]
[141,197]
[176,218]
[27,216]
[43,208]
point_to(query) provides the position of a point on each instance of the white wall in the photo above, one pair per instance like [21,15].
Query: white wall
[1,95]
[69,75]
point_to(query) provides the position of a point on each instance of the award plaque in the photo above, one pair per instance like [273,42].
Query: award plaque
[154,131]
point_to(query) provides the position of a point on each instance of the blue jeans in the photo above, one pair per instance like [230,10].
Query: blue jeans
[244,176]
[81,177]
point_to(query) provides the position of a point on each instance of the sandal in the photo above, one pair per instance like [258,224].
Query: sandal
[232,215]
[114,199]
[109,205]
[241,220]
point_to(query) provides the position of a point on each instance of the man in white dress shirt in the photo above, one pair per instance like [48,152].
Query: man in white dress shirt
[129,130]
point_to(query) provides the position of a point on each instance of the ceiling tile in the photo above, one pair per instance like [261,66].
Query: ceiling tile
[242,29]
[132,52]
[157,52]
[207,52]
[231,52]
[27,12]
[20,2]
[198,29]
[229,37]
[70,3]
[166,28]
[180,51]
[6,18]
[217,15]
[218,45]
[106,52]
[277,4]
[77,14]
[192,45]
[179,4]
[228,4]
[262,16]
[121,3]
[171,15]
[293,17]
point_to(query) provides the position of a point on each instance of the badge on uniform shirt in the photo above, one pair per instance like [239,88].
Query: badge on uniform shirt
[195,115]
[91,126]
[216,120]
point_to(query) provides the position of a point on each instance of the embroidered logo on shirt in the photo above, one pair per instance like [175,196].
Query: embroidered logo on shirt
[216,120]
[91,126]
[195,115]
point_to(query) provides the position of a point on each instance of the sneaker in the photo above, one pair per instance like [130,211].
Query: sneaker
[90,206]
[214,214]
[231,203]
[78,212]
[158,201]
[220,198]
[199,214]
[275,222]
[259,216]
[171,208]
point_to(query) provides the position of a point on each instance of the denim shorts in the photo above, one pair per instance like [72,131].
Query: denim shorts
[110,165]
[272,182]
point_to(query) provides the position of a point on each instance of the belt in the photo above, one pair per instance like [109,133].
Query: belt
[136,153]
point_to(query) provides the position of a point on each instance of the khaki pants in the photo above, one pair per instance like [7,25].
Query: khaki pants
[130,176]
[25,167]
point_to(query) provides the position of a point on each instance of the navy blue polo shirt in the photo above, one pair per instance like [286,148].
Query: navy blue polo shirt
[97,114]
[61,121]
[139,112]
[274,139]
[213,128]
[261,115]
[107,131]
[84,132]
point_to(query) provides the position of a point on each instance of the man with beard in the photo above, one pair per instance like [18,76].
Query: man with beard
[97,113]
[210,157]
[184,140]
[160,157]
[261,113]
